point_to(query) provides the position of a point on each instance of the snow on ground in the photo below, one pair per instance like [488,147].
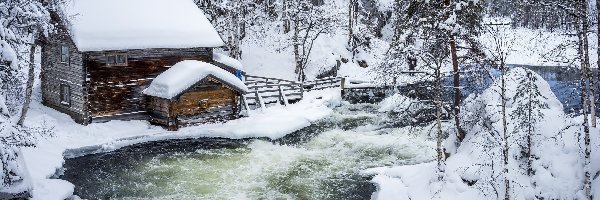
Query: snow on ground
[557,147]
[44,160]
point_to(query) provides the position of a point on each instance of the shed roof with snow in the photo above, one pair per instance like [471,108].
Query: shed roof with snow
[229,61]
[186,74]
[102,25]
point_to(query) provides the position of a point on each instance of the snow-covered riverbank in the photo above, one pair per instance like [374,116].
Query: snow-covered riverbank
[473,171]
[44,160]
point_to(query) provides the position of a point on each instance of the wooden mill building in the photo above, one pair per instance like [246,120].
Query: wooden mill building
[106,52]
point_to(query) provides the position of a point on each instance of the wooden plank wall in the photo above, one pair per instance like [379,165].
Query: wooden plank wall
[55,73]
[117,89]
[207,102]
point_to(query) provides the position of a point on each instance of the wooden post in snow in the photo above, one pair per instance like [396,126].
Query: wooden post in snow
[302,90]
[259,100]
[282,96]
[343,85]
[245,102]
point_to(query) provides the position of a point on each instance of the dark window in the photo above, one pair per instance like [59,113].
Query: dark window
[64,54]
[116,59]
[412,64]
[65,94]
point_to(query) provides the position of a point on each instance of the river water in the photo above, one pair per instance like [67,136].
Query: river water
[322,161]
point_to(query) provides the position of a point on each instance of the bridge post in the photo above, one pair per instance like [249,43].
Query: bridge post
[302,90]
[343,85]
[245,103]
[282,96]
[259,100]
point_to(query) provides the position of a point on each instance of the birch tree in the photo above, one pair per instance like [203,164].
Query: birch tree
[583,56]
[308,22]
[500,47]
[353,13]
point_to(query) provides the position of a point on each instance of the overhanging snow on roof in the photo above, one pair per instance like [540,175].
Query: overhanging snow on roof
[186,74]
[229,61]
[101,25]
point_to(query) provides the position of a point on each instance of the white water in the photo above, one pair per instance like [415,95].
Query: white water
[327,166]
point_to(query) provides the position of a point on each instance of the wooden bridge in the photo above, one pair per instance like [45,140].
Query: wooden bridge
[266,91]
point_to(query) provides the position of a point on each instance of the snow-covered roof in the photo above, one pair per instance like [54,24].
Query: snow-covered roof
[229,61]
[186,74]
[101,25]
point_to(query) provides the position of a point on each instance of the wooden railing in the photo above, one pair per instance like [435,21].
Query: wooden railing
[325,83]
[265,91]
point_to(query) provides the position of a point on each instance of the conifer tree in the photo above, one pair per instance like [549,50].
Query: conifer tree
[528,102]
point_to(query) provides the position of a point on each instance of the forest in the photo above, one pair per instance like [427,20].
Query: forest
[491,124]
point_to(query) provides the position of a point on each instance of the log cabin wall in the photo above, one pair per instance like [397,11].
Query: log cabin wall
[116,90]
[69,74]
[208,101]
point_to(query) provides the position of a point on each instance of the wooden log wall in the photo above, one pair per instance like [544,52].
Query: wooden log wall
[56,73]
[116,90]
[208,101]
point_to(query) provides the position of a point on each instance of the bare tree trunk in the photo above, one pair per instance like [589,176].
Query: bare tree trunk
[352,20]
[584,78]
[285,17]
[586,61]
[438,116]
[460,132]
[29,87]
[529,127]
[598,40]
[351,27]
[297,57]
[504,131]
[234,34]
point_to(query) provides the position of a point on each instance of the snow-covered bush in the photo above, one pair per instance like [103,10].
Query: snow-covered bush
[474,170]
[478,161]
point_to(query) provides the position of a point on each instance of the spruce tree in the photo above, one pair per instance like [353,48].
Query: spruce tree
[527,113]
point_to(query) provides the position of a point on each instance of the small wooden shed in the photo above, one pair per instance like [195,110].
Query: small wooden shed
[194,92]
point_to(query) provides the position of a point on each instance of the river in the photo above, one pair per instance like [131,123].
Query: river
[322,161]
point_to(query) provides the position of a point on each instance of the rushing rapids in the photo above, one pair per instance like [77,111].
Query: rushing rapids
[322,161]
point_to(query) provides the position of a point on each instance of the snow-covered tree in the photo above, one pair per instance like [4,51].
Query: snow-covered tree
[21,22]
[528,102]
[450,25]
[308,22]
